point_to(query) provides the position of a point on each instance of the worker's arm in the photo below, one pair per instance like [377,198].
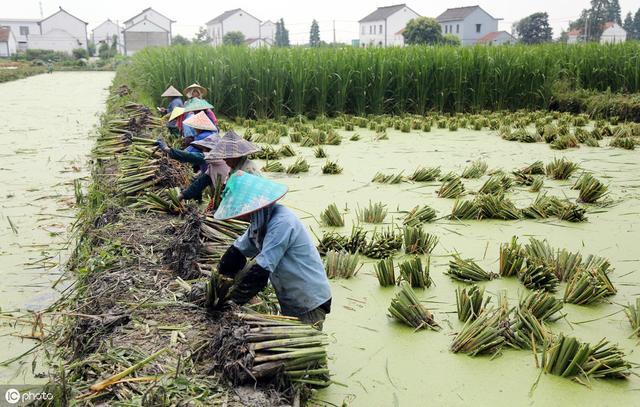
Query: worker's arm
[194,190]
[231,262]
[195,158]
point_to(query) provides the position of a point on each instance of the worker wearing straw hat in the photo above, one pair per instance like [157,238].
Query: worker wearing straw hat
[195,91]
[283,249]
[191,108]
[175,101]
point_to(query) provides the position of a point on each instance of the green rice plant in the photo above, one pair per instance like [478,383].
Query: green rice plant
[388,179]
[286,151]
[273,166]
[406,308]
[417,241]
[537,184]
[482,335]
[383,243]
[419,215]
[542,305]
[585,288]
[465,210]
[374,213]
[539,276]
[561,168]
[385,272]
[423,174]
[633,314]
[453,188]
[477,169]
[341,264]
[469,302]
[626,143]
[413,273]
[467,270]
[300,165]
[319,152]
[331,167]
[511,258]
[332,216]
[497,207]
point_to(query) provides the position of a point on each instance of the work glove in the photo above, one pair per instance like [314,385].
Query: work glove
[249,284]
[161,144]
[231,262]
[186,141]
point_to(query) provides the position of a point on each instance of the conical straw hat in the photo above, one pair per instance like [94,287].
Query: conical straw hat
[188,89]
[171,92]
[209,142]
[197,104]
[246,193]
[176,112]
[231,145]
[200,121]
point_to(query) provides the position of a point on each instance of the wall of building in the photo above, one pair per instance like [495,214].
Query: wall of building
[372,34]
[268,31]
[62,21]
[488,24]
[56,40]
[239,21]
[152,16]
[613,35]
[396,22]
[31,26]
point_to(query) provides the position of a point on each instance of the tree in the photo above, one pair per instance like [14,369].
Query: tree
[314,34]
[180,40]
[79,53]
[235,38]
[282,34]
[91,47]
[202,36]
[636,25]
[613,11]
[628,26]
[592,20]
[451,39]
[534,29]
[422,30]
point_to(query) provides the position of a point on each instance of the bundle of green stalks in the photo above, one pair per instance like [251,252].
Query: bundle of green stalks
[287,151]
[561,168]
[319,152]
[355,137]
[601,268]
[448,177]
[300,165]
[266,153]
[388,179]
[542,305]
[331,167]
[482,335]
[332,241]
[452,188]
[633,313]
[537,184]
[539,276]
[469,302]
[273,166]
[591,189]
[406,308]
[165,201]
[268,137]
[341,264]
[467,270]
[413,273]
[465,210]
[384,243]
[546,206]
[607,362]
[419,215]
[332,216]
[385,272]
[374,213]
[496,184]
[527,331]
[567,264]
[511,258]
[626,143]
[535,168]
[417,241]
[585,287]
[565,141]
[272,347]
[423,174]
[477,169]
[497,207]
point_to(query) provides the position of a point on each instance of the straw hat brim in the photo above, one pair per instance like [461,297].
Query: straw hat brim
[244,196]
[176,112]
[171,92]
[188,89]
[200,121]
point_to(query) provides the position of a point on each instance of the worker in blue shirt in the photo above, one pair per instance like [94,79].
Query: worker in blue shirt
[283,249]
[175,100]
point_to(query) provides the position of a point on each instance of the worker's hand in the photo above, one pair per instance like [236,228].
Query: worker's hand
[161,144]
[186,141]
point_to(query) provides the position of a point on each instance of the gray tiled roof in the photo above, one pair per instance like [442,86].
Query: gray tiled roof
[458,13]
[382,12]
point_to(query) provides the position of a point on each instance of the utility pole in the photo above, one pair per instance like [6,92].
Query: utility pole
[41,13]
[334,32]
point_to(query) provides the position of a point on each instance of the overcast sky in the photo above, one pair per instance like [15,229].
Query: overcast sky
[297,14]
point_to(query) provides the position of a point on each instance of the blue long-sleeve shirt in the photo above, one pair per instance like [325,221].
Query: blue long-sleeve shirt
[288,253]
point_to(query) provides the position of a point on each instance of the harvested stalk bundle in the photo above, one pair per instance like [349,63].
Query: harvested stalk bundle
[300,165]
[448,177]
[465,210]
[332,217]
[565,141]
[286,151]
[539,209]
[511,258]
[537,184]
[453,188]
[273,166]
[467,270]
[332,241]
[319,152]
[542,305]
[566,210]
[165,201]
[539,251]
[539,276]
[406,308]
[585,288]
[606,361]
[357,240]
[469,302]
[475,170]
[413,273]
[388,179]
[258,347]
[268,137]
[417,241]
[565,356]
[591,189]
[331,167]
[561,168]
[496,184]
[217,289]
[567,264]
[266,153]
[381,135]
[527,331]
[482,335]
[383,244]
[355,137]
[536,168]
[497,207]
[626,143]
[419,215]
[425,174]
[633,314]
[385,272]
[374,213]
[601,268]
[341,264]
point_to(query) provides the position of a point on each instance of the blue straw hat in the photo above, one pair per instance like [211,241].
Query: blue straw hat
[246,193]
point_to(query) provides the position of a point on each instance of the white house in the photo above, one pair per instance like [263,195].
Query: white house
[105,32]
[467,23]
[612,33]
[8,43]
[61,31]
[497,38]
[383,27]
[146,29]
[268,32]
[574,36]
[234,20]
[21,30]
[258,43]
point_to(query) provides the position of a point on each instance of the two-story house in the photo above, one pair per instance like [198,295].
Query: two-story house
[382,27]
[21,29]
[105,33]
[234,20]
[470,24]
[146,29]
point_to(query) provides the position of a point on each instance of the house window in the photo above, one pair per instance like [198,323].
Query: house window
[370,29]
[446,29]
[457,28]
[380,27]
[363,30]
[478,28]
[24,30]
